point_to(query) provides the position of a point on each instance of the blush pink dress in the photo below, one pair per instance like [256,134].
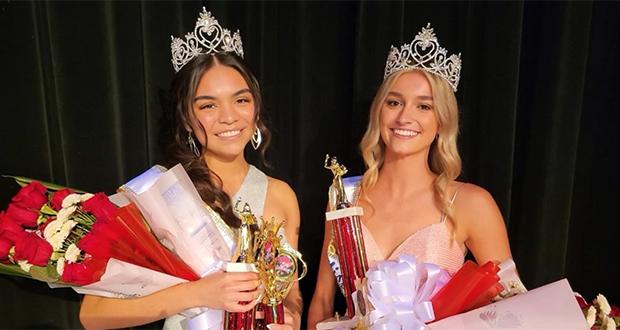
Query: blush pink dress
[431,244]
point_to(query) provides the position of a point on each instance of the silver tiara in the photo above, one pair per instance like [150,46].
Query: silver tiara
[425,53]
[209,34]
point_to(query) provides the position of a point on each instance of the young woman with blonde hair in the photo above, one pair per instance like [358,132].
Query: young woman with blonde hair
[411,199]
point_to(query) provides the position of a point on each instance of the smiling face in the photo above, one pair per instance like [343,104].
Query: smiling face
[408,123]
[223,112]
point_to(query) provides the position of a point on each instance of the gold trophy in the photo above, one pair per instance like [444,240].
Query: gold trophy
[264,250]
[347,240]
[277,264]
[243,260]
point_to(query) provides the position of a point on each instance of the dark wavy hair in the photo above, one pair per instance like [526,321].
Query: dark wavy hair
[183,92]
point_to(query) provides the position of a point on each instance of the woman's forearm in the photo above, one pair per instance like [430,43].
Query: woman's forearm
[106,313]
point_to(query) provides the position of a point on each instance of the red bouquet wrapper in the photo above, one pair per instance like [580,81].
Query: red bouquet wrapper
[126,237]
[471,287]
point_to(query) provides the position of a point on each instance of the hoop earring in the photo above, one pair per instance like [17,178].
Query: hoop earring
[192,144]
[257,138]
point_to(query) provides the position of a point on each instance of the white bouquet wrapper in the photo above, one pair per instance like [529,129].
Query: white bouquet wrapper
[182,221]
[125,280]
[549,307]
[179,218]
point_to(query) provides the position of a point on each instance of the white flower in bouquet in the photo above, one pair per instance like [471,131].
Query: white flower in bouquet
[591,316]
[64,213]
[86,196]
[58,233]
[51,229]
[60,265]
[23,264]
[603,304]
[72,254]
[610,324]
[71,200]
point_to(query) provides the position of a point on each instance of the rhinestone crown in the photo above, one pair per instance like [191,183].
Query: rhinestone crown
[208,38]
[424,53]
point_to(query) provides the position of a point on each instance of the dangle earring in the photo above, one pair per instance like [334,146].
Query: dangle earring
[257,138]
[192,144]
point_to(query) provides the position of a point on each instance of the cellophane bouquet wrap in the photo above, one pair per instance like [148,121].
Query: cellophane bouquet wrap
[183,222]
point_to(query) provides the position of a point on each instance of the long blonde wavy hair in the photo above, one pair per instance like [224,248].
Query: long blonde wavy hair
[444,159]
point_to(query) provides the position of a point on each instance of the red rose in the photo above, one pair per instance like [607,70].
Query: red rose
[5,246]
[31,196]
[95,243]
[58,197]
[33,249]
[83,273]
[25,217]
[9,229]
[100,206]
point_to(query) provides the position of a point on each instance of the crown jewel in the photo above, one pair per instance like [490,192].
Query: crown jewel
[209,34]
[424,53]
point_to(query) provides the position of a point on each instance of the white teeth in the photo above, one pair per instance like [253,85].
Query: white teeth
[405,132]
[229,133]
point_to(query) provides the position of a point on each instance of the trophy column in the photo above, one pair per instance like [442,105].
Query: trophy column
[346,235]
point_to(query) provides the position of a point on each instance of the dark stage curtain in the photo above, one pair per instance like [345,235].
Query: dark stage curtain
[81,84]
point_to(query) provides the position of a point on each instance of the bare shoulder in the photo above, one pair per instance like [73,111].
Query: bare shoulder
[474,205]
[472,196]
[282,195]
[280,190]
[483,229]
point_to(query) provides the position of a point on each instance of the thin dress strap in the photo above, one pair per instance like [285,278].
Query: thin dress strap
[456,192]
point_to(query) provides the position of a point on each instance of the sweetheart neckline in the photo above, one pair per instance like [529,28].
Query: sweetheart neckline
[407,239]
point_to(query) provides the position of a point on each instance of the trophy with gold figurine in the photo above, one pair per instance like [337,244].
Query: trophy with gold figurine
[277,264]
[347,245]
[243,260]
[262,248]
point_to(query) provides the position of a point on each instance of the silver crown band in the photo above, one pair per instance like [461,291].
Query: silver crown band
[424,53]
[209,34]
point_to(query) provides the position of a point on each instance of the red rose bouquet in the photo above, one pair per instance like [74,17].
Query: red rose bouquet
[56,235]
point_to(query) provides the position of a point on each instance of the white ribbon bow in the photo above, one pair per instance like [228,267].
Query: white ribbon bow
[400,292]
